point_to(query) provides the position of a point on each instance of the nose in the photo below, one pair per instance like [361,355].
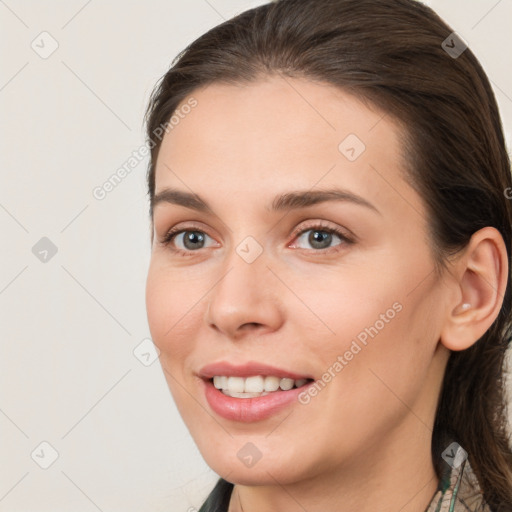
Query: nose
[245,301]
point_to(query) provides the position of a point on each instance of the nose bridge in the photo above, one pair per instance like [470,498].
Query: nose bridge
[246,269]
[246,266]
[247,293]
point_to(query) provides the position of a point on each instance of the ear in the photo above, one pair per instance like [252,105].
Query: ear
[480,279]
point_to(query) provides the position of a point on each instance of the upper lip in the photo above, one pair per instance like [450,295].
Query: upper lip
[223,368]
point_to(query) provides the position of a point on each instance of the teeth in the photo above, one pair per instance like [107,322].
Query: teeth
[242,395]
[254,386]
[272,383]
[236,384]
[220,382]
[286,384]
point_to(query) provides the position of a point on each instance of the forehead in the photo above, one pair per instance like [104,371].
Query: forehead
[279,132]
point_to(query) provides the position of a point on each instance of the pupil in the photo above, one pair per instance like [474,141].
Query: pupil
[320,237]
[192,237]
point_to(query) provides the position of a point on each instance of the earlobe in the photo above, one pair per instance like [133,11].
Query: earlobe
[479,286]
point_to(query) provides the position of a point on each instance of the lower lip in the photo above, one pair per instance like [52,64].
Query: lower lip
[247,410]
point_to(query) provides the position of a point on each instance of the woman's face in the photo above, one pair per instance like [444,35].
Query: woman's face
[260,277]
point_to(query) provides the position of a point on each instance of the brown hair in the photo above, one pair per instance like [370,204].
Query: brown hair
[388,53]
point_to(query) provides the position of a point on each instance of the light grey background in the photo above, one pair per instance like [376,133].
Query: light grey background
[69,325]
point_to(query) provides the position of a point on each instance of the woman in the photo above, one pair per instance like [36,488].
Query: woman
[329,284]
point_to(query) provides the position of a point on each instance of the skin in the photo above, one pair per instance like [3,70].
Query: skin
[363,443]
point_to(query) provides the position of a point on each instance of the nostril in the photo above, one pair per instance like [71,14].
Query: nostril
[251,324]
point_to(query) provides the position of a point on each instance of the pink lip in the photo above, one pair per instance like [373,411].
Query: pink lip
[247,370]
[248,409]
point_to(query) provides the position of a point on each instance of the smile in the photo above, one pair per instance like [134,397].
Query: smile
[254,386]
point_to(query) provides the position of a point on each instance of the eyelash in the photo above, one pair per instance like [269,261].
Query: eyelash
[318,226]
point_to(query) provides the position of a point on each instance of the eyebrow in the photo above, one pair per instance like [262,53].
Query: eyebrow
[284,202]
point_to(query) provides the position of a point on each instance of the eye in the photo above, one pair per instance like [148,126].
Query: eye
[321,237]
[185,240]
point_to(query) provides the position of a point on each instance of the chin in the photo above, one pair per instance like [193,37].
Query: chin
[231,466]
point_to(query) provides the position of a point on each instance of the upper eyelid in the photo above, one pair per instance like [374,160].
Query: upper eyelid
[321,223]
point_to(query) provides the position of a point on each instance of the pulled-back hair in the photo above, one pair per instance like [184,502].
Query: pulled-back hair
[389,54]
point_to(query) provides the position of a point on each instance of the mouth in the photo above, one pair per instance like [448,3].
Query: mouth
[255,385]
[251,392]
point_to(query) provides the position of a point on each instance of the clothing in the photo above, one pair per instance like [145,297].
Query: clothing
[458,491]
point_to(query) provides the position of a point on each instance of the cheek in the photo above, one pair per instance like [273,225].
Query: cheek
[342,305]
[172,311]
[172,321]
[381,324]
[157,296]
[391,364]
